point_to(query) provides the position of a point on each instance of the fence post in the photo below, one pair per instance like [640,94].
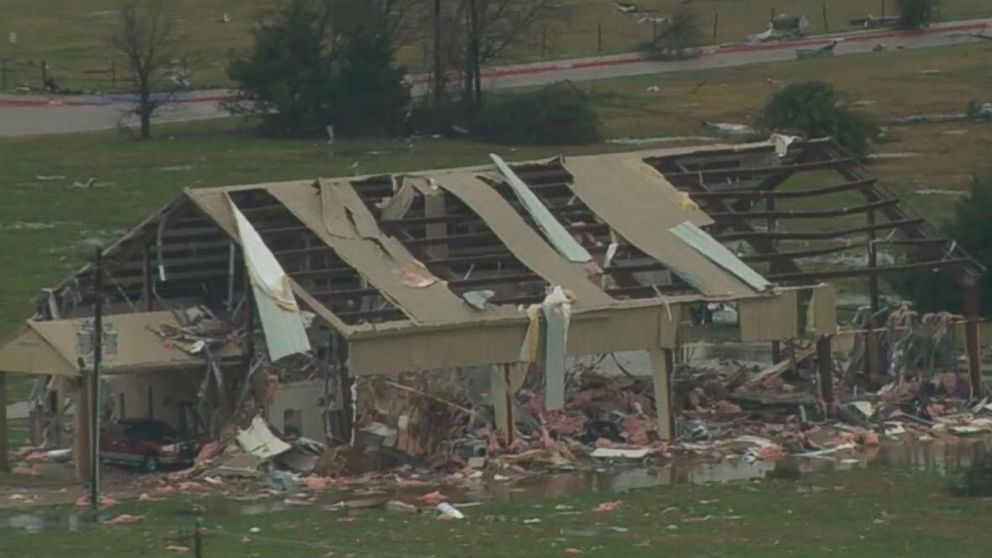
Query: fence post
[544,41]
[716,21]
[883,8]
[44,74]
[113,74]
[599,36]
[198,538]
[3,74]
[771,10]
[826,22]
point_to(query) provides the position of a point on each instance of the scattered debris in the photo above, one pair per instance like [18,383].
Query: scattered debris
[124,519]
[732,129]
[448,511]
[607,507]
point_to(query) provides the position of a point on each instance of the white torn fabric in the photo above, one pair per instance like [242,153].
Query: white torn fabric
[782,143]
[553,230]
[259,441]
[278,312]
[717,253]
[532,339]
[557,307]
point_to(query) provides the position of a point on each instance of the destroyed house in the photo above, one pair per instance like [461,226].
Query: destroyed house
[284,293]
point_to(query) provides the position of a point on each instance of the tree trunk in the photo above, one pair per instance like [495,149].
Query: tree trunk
[468,79]
[476,62]
[146,123]
[145,109]
[438,81]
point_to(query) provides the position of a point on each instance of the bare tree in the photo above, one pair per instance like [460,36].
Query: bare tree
[469,34]
[492,27]
[149,40]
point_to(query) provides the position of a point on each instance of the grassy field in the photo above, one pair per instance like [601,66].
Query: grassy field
[857,513]
[80,58]
[47,226]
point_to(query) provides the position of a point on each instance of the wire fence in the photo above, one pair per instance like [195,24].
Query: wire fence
[586,37]
[24,76]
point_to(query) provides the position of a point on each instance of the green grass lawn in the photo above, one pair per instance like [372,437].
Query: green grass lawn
[860,513]
[73,38]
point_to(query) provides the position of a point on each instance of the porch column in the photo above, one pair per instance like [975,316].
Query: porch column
[662,364]
[972,346]
[825,369]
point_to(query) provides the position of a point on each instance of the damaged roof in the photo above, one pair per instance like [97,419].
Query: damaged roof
[442,265]
[50,347]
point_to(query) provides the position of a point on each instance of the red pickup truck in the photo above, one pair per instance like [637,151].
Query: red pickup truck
[149,444]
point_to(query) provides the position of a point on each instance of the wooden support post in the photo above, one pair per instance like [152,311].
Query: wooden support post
[146,279]
[771,225]
[662,363]
[502,398]
[4,464]
[971,339]
[872,360]
[872,265]
[825,368]
[81,431]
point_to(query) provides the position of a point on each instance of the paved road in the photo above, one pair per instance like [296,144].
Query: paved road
[38,115]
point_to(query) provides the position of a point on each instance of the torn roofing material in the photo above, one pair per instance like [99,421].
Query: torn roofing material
[259,441]
[553,230]
[277,308]
[718,254]
[623,191]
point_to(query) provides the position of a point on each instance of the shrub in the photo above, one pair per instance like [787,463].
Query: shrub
[301,75]
[971,228]
[916,14]
[813,109]
[676,38]
[976,480]
[557,114]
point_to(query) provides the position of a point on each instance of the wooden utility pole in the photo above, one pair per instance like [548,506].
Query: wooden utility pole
[95,379]
[81,428]
[4,464]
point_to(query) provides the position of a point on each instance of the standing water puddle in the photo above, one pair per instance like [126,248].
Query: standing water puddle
[934,456]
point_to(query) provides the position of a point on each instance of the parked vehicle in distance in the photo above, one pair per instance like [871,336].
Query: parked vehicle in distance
[146,443]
